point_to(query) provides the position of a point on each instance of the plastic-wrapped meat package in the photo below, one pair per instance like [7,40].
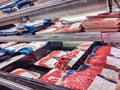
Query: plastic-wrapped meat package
[104,50]
[108,50]
[75,27]
[81,80]
[10,50]
[100,56]
[68,60]
[53,76]
[26,73]
[47,62]
[106,61]
[105,15]
[57,53]
[103,23]
[84,46]
[99,60]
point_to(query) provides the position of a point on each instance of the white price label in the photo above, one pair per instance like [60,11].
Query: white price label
[101,84]
[109,73]
[50,63]
[61,53]
[113,61]
[75,59]
[115,51]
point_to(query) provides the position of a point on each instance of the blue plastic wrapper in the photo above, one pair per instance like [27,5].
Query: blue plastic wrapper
[7,9]
[84,66]
[69,72]
[24,51]
[90,56]
[21,3]
[96,48]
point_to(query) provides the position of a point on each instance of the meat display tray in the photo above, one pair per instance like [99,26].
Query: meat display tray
[28,61]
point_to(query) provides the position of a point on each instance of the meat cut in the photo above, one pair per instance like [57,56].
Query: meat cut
[53,76]
[26,73]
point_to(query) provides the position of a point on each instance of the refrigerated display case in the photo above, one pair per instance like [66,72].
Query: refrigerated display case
[58,64]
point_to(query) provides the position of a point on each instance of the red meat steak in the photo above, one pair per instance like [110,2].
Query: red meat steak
[53,76]
[64,60]
[104,50]
[97,60]
[81,80]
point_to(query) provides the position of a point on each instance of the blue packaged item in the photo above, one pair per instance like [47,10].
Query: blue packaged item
[21,3]
[90,56]
[96,48]
[7,51]
[7,9]
[84,66]
[69,72]
[45,24]
[25,51]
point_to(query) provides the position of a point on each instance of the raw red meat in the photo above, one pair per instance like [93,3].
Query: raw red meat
[47,62]
[64,60]
[99,60]
[102,23]
[81,80]
[104,50]
[26,73]
[53,76]
[100,56]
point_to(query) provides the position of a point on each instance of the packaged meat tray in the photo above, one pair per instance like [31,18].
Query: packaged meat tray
[47,62]
[70,28]
[60,59]
[81,80]
[104,56]
[22,60]
[26,73]
[68,60]
[75,27]
[53,76]
[102,23]
[105,15]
